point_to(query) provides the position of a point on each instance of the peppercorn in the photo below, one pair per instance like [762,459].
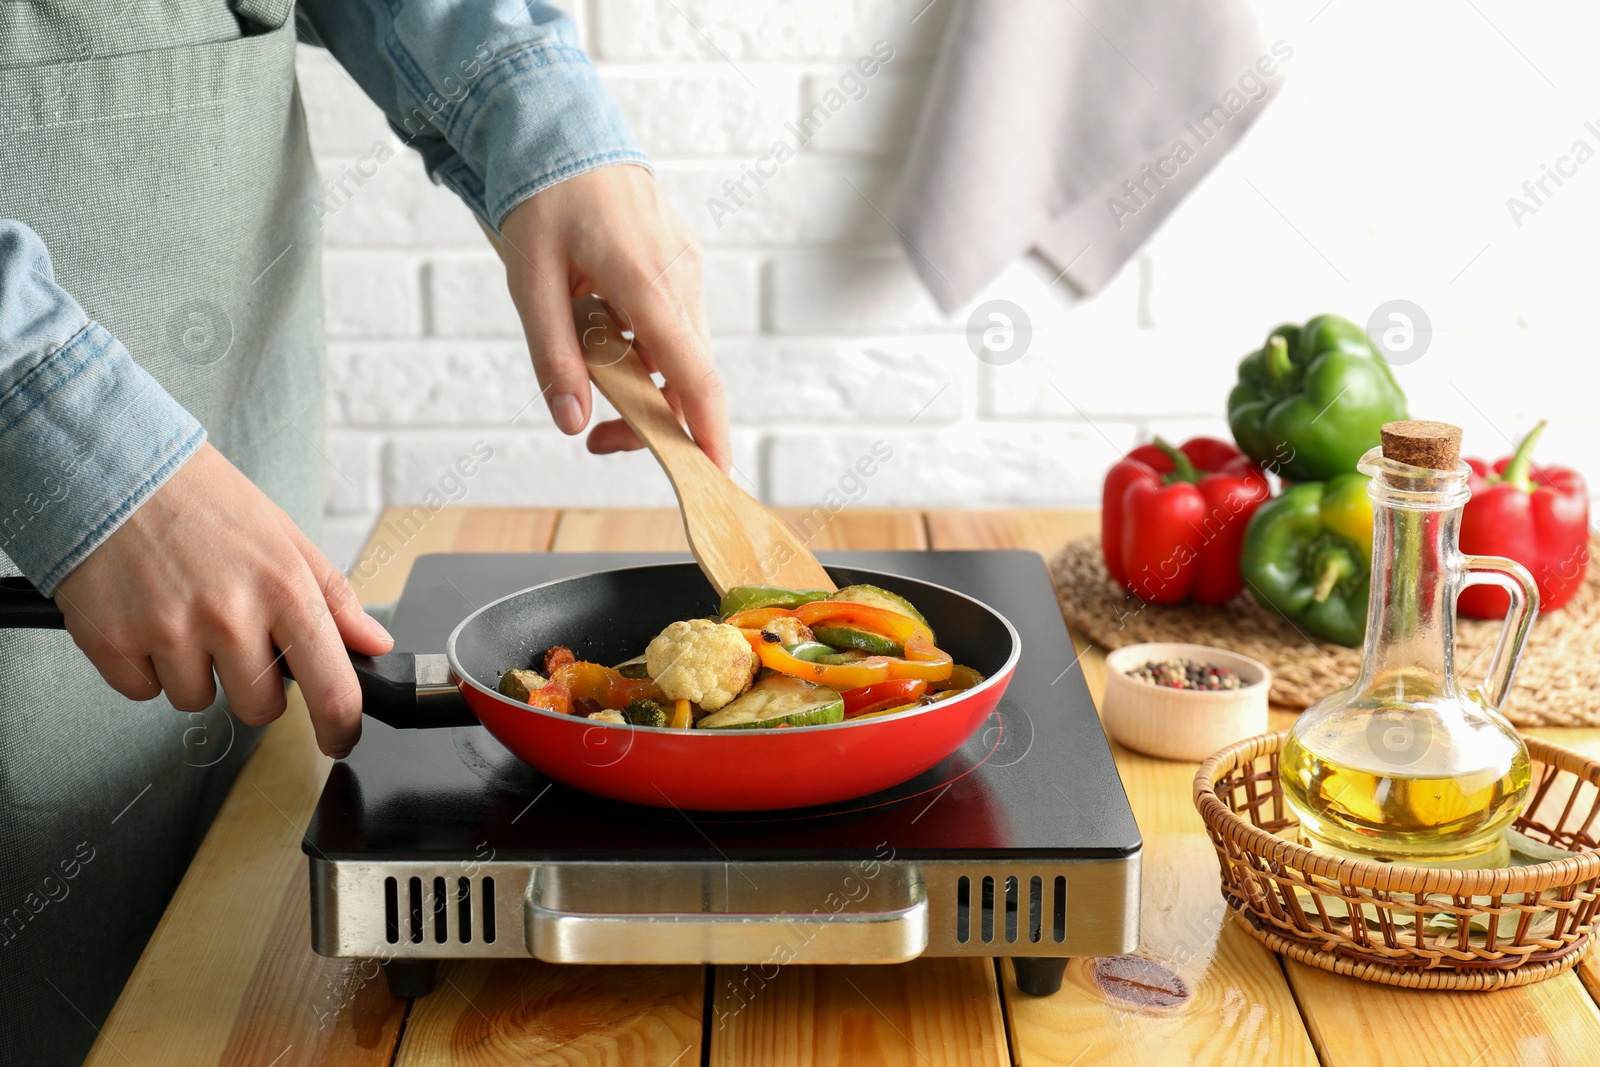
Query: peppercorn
[1186,674]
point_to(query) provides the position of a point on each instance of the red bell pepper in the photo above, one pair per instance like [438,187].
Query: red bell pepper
[1538,516]
[1172,520]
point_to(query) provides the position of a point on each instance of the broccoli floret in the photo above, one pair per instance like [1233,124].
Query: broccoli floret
[645,713]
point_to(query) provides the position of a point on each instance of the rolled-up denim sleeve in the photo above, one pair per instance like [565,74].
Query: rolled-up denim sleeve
[497,96]
[86,434]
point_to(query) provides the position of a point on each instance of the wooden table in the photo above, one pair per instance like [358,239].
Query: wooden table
[230,978]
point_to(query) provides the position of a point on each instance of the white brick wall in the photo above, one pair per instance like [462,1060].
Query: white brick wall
[1382,173]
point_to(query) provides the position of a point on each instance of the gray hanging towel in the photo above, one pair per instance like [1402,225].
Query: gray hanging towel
[1073,127]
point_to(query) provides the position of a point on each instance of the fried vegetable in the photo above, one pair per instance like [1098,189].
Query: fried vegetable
[635,668]
[790,630]
[843,637]
[874,597]
[556,657]
[519,685]
[748,597]
[778,701]
[703,661]
[645,713]
[607,716]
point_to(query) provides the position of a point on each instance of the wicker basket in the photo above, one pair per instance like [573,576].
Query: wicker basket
[1409,926]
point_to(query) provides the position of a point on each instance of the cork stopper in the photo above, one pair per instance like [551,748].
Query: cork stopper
[1434,445]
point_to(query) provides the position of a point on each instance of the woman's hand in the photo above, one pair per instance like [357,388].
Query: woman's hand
[611,232]
[210,573]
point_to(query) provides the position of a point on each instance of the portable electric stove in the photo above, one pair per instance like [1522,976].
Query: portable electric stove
[440,844]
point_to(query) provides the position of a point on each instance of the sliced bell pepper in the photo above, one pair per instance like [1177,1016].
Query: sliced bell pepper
[1311,401]
[922,661]
[901,690]
[756,618]
[1538,516]
[891,624]
[745,597]
[1172,520]
[682,716]
[961,677]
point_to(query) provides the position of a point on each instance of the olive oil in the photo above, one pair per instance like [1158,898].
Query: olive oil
[1409,764]
[1448,806]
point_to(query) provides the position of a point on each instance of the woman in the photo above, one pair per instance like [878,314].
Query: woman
[160,398]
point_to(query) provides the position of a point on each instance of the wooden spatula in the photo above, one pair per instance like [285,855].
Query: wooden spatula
[736,540]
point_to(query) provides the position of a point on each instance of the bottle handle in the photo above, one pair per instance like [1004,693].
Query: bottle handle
[1514,578]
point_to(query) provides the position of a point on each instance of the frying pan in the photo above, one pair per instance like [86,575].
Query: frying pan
[609,617]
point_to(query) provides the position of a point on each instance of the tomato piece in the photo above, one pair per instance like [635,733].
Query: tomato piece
[604,686]
[900,690]
[552,696]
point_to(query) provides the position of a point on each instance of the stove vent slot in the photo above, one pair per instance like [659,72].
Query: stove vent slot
[1016,898]
[443,893]
[391,911]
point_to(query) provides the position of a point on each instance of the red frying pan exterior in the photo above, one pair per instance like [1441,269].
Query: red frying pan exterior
[736,770]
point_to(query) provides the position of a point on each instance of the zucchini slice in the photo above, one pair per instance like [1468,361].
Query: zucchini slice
[778,700]
[634,668]
[842,637]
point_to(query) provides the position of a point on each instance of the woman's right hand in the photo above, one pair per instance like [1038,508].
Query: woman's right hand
[209,573]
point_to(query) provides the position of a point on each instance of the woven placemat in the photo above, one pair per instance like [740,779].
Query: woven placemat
[1558,683]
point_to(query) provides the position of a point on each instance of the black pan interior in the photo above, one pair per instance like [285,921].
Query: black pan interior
[610,616]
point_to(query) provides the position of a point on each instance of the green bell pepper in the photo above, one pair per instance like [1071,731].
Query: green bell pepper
[1308,556]
[1311,400]
[750,597]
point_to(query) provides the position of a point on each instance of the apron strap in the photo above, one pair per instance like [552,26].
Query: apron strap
[270,14]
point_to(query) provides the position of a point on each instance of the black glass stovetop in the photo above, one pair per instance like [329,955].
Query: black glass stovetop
[1037,780]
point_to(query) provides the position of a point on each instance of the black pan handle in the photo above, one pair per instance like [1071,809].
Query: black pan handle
[22,607]
[404,689]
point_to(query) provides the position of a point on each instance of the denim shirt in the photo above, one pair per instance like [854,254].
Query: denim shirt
[496,97]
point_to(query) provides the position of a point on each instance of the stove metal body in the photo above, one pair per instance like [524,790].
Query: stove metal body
[438,844]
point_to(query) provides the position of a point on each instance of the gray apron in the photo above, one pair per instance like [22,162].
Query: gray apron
[159,150]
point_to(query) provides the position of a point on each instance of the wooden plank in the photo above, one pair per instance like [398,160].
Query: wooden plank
[528,1012]
[229,976]
[866,528]
[1044,532]
[661,529]
[925,1013]
[1230,1002]
[400,535]
[505,530]
[1355,1022]
[1349,1021]
[620,530]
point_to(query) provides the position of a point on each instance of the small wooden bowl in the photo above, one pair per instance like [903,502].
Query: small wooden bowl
[1183,724]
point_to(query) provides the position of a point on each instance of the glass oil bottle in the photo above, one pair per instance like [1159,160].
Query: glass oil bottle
[1404,765]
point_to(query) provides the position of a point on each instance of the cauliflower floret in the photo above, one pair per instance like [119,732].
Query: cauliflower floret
[790,630]
[701,660]
[608,716]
